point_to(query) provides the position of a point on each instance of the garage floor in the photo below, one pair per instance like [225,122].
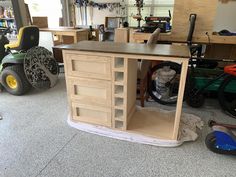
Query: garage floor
[35,140]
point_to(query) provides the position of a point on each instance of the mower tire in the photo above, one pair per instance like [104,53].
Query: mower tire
[14,80]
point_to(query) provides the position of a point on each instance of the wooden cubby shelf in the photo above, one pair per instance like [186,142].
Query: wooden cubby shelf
[119,89]
[152,123]
[119,113]
[119,76]
[119,124]
[119,101]
[119,63]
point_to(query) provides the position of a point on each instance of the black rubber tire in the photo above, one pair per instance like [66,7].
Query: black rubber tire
[229,107]
[174,66]
[1,87]
[210,141]
[18,72]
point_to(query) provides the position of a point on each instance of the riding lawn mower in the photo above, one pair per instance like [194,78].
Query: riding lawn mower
[24,64]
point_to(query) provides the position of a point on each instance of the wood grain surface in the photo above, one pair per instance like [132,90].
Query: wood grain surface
[131,48]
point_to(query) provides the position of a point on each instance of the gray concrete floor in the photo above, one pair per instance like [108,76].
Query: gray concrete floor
[35,140]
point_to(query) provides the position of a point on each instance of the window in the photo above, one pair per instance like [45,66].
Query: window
[151,7]
[50,8]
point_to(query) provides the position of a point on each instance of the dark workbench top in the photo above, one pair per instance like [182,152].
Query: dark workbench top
[130,48]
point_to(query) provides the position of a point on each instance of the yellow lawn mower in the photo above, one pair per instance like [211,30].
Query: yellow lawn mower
[25,64]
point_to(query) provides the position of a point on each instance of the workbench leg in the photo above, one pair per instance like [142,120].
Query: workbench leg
[183,76]
[75,38]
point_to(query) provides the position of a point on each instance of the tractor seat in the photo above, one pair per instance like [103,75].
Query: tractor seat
[27,38]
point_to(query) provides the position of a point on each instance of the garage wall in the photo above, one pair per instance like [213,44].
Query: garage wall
[225,16]
[98,16]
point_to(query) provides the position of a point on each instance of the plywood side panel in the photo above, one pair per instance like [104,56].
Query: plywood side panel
[81,36]
[131,88]
[121,35]
[65,57]
[205,10]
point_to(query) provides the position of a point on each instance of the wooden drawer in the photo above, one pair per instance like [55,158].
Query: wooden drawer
[91,114]
[88,66]
[90,91]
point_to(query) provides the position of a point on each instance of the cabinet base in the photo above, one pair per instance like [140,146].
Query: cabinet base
[192,120]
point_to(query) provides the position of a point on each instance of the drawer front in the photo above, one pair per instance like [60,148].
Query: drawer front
[90,91]
[91,114]
[89,66]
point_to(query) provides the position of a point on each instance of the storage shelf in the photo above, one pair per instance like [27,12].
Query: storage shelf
[119,102]
[6,28]
[119,107]
[152,123]
[119,83]
[119,89]
[119,113]
[119,118]
[119,69]
[7,19]
[119,95]
[119,124]
[119,76]
[119,63]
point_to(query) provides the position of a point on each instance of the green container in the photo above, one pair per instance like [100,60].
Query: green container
[204,76]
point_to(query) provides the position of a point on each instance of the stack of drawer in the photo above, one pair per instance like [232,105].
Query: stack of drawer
[89,87]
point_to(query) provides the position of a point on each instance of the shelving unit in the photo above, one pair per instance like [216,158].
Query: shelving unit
[7,21]
[119,95]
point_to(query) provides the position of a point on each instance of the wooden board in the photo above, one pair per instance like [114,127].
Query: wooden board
[152,123]
[121,35]
[123,135]
[131,48]
[41,22]
[183,76]
[221,51]
[131,88]
[138,37]
[205,10]
[206,14]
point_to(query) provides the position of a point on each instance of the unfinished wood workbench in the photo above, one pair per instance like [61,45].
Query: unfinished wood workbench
[101,85]
[140,37]
[64,32]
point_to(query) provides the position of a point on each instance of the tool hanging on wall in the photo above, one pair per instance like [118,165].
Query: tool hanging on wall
[83,9]
[110,6]
[90,12]
[80,5]
[139,4]
[85,2]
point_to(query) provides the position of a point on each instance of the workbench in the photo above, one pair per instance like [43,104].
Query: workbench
[63,32]
[136,36]
[218,47]
[101,86]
